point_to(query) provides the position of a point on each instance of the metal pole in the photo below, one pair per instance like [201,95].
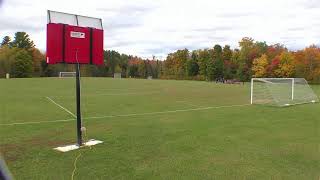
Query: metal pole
[292,89]
[251,95]
[78,102]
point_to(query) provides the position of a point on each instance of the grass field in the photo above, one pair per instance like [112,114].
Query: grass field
[155,129]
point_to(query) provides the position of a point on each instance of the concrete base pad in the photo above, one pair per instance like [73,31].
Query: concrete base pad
[67,148]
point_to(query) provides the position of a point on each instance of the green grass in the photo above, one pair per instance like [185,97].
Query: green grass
[248,142]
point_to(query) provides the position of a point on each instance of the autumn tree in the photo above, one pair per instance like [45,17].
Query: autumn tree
[286,65]
[246,57]
[273,66]
[142,69]
[176,63]
[181,57]
[135,67]
[246,45]
[7,57]
[37,57]
[275,50]
[203,60]
[260,66]
[307,63]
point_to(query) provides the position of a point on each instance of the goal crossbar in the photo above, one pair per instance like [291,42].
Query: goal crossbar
[67,74]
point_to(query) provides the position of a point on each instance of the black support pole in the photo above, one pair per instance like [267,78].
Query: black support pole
[79,123]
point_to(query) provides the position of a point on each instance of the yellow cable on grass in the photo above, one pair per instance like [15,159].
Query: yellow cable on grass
[79,155]
[75,165]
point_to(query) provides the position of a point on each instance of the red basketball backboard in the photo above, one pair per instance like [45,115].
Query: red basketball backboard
[74,39]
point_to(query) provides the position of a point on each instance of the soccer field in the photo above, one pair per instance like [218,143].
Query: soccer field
[155,129]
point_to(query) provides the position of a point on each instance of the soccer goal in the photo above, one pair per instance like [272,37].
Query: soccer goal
[67,74]
[281,91]
[117,75]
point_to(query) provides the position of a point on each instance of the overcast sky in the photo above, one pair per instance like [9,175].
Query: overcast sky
[147,27]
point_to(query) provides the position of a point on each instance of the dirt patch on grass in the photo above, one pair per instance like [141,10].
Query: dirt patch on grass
[11,152]
[15,152]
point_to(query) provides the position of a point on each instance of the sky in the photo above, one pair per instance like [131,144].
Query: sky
[146,28]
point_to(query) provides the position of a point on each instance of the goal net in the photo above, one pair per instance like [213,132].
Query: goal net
[67,74]
[117,75]
[281,91]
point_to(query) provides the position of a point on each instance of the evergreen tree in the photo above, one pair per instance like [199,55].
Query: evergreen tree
[22,40]
[6,41]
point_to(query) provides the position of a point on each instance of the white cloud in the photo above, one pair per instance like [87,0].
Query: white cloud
[146,28]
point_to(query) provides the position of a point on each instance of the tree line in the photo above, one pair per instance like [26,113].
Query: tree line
[252,59]
[20,58]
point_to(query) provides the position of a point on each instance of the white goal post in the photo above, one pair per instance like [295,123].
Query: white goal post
[281,91]
[117,75]
[67,74]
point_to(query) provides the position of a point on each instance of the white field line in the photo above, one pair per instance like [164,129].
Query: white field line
[38,122]
[130,115]
[65,109]
[167,112]
[189,104]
